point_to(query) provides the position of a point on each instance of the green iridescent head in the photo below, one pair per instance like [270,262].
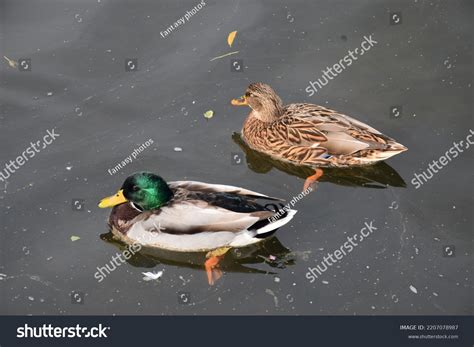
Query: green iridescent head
[146,190]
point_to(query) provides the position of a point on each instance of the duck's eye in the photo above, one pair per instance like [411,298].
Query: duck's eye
[248,94]
[135,188]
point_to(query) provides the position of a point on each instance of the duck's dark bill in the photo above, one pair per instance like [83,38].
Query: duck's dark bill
[239,102]
[113,200]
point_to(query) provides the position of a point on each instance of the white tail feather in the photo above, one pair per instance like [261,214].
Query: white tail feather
[277,224]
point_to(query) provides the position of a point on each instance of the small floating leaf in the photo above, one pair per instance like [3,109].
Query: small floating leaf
[75,238]
[231,38]
[209,114]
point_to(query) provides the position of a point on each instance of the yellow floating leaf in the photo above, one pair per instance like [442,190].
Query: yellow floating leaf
[209,114]
[11,62]
[75,238]
[231,38]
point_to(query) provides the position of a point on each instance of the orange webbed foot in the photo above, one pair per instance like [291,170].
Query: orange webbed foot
[212,264]
[212,270]
[311,180]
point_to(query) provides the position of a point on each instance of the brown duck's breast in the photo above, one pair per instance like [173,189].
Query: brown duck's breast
[121,215]
[254,133]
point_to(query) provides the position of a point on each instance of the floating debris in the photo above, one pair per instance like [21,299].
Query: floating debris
[231,38]
[11,62]
[184,280]
[209,114]
[413,289]
[274,261]
[275,299]
[75,238]
[224,55]
[178,149]
[152,276]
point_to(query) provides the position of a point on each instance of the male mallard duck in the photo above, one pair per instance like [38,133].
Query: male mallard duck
[189,216]
[310,135]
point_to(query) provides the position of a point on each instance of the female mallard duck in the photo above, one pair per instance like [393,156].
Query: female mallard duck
[189,216]
[310,135]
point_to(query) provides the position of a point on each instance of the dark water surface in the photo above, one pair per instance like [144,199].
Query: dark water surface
[417,261]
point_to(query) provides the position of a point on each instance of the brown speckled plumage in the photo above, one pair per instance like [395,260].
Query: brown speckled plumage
[311,135]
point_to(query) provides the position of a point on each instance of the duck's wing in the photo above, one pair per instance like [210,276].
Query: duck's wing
[296,139]
[313,132]
[196,186]
[196,216]
[326,119]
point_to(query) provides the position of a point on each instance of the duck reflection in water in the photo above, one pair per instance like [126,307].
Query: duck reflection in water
[269,252]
